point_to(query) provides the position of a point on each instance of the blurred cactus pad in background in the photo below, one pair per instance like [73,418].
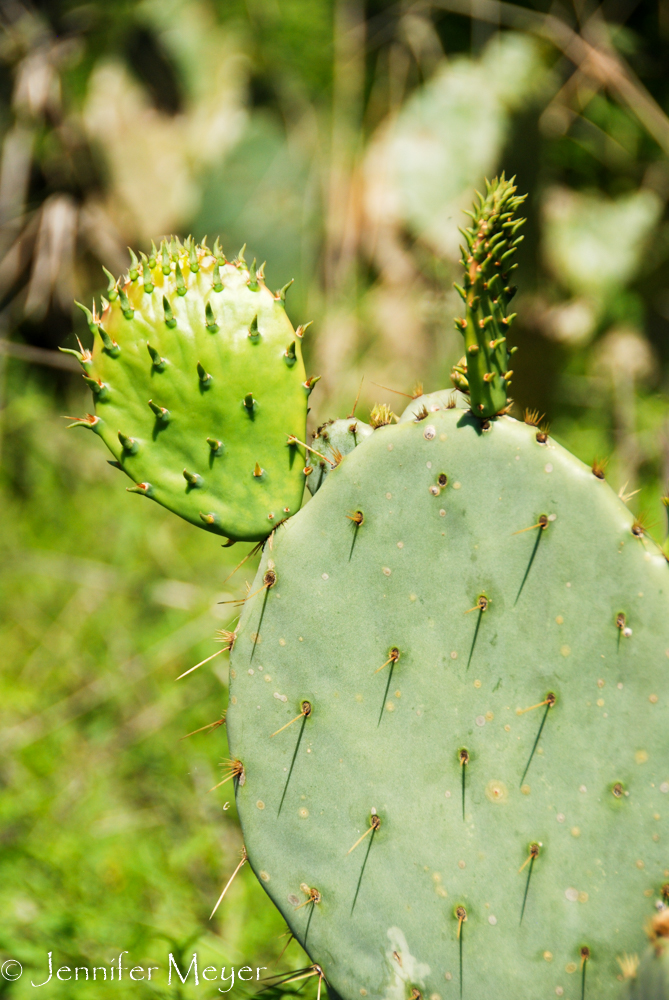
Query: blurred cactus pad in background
[342,142]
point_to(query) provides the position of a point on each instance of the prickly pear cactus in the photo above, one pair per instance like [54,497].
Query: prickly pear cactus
[200,390]
[448,707]
[448,714]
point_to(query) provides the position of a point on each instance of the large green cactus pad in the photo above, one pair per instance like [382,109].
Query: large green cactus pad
[198,383]
[575,622]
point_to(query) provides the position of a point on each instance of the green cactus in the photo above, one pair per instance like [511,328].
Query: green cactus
[448,712]
[200,390]
[472,685]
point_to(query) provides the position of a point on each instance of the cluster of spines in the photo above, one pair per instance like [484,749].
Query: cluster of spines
[170,256]
[491,241]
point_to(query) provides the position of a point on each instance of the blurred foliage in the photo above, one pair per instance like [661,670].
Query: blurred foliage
[339,139]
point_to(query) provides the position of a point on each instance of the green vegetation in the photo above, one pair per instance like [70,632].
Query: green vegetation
[110,838]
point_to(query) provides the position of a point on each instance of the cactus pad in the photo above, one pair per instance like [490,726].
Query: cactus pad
[480,632]
[199,385]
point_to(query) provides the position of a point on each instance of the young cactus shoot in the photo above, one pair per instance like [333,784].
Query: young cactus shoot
[484,373]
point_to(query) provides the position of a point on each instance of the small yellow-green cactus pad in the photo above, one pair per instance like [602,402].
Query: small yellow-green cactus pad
[199,383]
[555,685]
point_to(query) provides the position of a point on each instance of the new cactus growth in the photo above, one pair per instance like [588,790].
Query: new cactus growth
[199,389]
[484,372]
[448,712]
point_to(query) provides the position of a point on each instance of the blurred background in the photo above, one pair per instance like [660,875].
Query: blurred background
[340,140]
